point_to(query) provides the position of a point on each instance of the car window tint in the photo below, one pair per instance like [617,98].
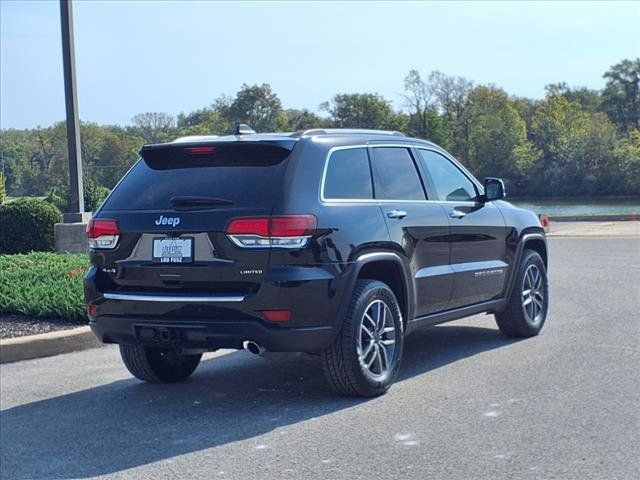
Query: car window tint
[450,183]
[395,175]
[348,175]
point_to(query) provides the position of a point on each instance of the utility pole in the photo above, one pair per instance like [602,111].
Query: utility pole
[76,204]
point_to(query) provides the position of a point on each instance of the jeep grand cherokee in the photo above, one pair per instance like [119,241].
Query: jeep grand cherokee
[333,242]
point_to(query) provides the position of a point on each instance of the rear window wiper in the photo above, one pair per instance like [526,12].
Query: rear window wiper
[193,201]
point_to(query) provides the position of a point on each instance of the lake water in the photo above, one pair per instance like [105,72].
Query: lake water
[569,207]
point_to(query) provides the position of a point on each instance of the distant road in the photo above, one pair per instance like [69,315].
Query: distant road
[471,404]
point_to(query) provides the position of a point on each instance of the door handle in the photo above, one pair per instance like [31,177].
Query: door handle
[456,214]
[396,214]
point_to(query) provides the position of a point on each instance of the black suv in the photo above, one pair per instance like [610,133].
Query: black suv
[332,242]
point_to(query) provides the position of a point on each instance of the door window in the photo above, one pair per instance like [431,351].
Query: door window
[395,175]
[348,175]
[450,183]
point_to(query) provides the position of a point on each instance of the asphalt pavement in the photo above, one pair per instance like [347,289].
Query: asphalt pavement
[469,404]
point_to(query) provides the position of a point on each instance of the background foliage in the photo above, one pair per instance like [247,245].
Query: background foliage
[574,142]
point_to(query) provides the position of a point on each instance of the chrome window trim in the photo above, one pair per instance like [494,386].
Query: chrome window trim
[375,201]
[172,298]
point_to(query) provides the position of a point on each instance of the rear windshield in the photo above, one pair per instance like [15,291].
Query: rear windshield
[245,175]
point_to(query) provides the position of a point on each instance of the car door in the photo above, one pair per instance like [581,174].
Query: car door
[477,232]
[419,227]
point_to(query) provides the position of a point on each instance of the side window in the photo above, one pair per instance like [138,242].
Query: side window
[348,175]
[450,183]
[395,175]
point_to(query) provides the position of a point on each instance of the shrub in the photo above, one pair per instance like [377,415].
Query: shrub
[43,285]
[27,225]
[94,195]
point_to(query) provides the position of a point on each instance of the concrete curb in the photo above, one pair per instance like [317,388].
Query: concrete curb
[594,218]
[47,344]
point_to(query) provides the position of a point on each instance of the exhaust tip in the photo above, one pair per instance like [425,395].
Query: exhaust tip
[253,347]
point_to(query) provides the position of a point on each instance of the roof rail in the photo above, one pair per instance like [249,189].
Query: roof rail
[345,131]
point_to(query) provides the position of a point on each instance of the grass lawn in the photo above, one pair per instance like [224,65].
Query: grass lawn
[43,285]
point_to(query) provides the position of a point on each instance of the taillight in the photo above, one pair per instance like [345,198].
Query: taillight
[102,233]
[290,231]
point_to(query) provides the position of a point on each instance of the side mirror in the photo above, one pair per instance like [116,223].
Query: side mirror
[493,189]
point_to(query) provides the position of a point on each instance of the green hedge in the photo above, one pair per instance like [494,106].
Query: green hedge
[27,225]
[43,285]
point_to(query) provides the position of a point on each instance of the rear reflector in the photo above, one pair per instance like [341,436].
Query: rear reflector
[103,233]
[277,315]
[92,310]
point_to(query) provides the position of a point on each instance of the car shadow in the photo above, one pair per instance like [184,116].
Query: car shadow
[126,423]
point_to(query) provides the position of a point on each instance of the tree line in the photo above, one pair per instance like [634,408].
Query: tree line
[574,142]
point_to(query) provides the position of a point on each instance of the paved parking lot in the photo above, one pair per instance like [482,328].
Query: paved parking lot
[470,403]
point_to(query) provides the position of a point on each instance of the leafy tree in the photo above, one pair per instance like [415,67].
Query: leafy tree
[621,96]
[303,119]
[627,154]
[154,127]
[497,141]
[362,110]
[207,121]
[258,106]
[590,100]
[561,129]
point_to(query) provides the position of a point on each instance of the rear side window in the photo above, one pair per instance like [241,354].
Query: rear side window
[244,175]
[395,175]
[348,175]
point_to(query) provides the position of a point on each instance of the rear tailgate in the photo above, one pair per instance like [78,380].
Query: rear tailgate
[172,210]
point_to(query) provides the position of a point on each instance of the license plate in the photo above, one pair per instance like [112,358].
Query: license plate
[172,250]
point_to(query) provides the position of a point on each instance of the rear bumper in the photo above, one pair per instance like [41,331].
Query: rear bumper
[199,335]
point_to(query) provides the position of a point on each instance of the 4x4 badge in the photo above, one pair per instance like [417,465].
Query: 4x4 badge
[173,221]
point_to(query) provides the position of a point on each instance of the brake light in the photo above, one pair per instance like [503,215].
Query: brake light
[200,150]
[289,231]
[103,233]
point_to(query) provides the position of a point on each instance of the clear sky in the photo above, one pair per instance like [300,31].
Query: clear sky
[134,57]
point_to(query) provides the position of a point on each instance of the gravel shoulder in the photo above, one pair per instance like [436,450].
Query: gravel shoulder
[12,326]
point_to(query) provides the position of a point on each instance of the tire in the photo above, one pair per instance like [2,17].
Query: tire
[346,374]
[157,365]
[526,320]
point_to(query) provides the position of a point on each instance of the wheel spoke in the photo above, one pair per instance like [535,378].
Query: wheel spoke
[379,359]
[368,332]
[373,357]
[526,293]
[387,342]
[371,320]
[380,317]
[385,358]
[538,302]
[527,301]
[368,350]
[389,329]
